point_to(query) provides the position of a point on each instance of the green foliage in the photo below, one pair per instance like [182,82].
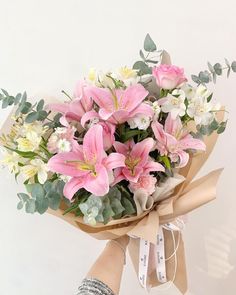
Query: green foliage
[144,66]
[149,44]
[213,71]
[34,112]
[114,205]
[41,197]
[203,130]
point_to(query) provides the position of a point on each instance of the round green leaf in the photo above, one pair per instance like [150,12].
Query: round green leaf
[149,44]
[32,117]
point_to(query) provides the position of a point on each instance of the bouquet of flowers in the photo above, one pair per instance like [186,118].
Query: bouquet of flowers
[118,156]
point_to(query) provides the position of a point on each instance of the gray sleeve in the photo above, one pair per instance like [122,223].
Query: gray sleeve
[94,287]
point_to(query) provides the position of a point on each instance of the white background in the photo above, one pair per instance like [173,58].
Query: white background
[46,46]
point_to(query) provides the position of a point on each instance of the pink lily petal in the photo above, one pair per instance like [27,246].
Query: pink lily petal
[183,159]
[102,97]
[188,142]
[72,186]
[105,114]
[142,149]
[153,166]
[99,184]
[118,176]
[132,176]
[143,109]
[121,147]
[88,116]
[121,116]
[132,96]
[115,160]
[159,132]
[93,145]
[81,94]
[172,126]
[58,107]
[60,163]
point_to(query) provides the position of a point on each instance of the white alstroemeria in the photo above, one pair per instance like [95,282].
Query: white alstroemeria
[30,142]
[189,91]
[35,167]
[142,122]
[174,103]
[36,127]
[201,111]
[100,79]
[11,160]
[156,108]
[63,145]
[127,75]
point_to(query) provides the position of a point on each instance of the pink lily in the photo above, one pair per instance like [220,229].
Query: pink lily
[89,166]
[137,160]
[173,140]
[108,128]
[118,105]
[75,109]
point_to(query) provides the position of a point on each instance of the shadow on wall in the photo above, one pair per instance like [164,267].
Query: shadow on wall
[217,268]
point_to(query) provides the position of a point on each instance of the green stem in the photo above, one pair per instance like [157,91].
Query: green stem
[66,94]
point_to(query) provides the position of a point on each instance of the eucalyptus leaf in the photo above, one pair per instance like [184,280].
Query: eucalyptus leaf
[42,205]
[218,69]
[20,205]
[30,206]
[32,117]
[40,105]
[42,115]
[142,67]
[149,44]
[37,191]
[23,197]
[233,66]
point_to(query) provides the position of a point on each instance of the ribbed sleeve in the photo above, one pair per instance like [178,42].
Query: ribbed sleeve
[94,287]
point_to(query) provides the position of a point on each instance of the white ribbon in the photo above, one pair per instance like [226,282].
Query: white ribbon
[143,262]
[144,251]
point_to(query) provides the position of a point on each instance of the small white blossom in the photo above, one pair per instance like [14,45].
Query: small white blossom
[63,145]
[174,103]
[156,109]
[142,122]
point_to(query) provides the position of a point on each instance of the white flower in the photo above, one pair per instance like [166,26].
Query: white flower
[30,142]
[142,122]
[60,130]
[63,145]
[100,79]
[35,167]
[199,108]
[156,109]
[35,127]
[174,103]
[127,75]
[11,160]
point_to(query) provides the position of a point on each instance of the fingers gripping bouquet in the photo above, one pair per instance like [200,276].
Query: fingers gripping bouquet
[119,157]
